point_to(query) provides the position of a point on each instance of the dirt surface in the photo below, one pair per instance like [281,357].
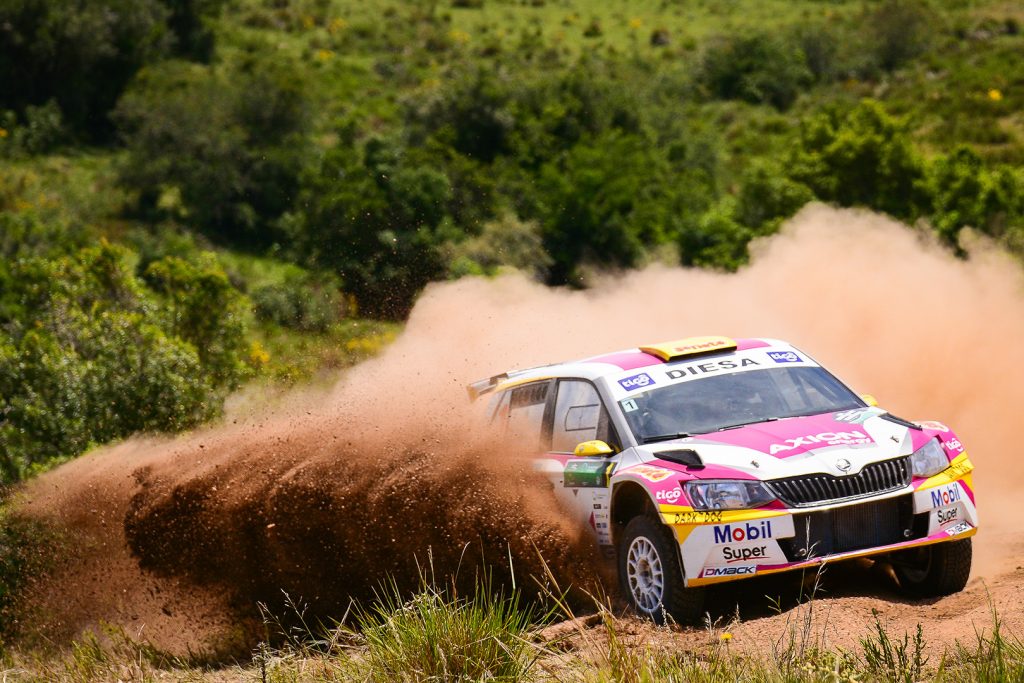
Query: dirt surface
[322,496]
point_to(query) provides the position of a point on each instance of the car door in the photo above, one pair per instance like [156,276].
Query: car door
[578,414]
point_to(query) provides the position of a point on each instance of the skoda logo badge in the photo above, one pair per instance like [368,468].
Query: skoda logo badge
[843,464]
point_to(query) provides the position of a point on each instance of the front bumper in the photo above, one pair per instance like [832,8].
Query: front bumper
[729,545]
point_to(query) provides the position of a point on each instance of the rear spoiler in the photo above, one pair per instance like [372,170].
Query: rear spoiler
[486,386]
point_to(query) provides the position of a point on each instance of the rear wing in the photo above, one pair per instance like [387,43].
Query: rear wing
[486,386]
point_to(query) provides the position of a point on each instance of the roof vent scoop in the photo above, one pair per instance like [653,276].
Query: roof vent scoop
[683,456]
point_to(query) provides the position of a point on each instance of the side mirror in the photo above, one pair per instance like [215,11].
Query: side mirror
[869,399]
[593,449]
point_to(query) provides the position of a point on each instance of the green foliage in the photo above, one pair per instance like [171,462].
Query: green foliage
[715,240]
[376,217]
[299,302]
[759,68]
[767,196]
[897,31]
[80,54]
[91,354]
[603,202]
[965,192]
[505,241]
[861,157]
[221,151]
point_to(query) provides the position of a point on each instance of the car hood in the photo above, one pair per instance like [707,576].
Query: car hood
[836,443]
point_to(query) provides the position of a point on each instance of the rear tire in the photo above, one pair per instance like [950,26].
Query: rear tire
[934,570]
[650,575]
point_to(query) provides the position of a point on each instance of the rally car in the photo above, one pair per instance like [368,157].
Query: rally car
[712,459]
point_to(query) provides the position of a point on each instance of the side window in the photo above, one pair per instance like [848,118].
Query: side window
[523,411]
[579,416]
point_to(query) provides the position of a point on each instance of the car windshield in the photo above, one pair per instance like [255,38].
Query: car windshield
[713,403]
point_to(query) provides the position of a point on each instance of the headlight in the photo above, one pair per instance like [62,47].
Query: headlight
[727,494]
[929,459]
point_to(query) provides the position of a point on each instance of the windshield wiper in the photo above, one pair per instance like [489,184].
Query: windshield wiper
[666,437]
[751,422]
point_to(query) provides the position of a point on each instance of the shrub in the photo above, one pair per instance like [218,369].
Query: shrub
[966,193]
[759,68]
[861,157]
[92,354]
[228,147]
[767,196]
[897,31]
[299,302]
[377,219]
[602,202]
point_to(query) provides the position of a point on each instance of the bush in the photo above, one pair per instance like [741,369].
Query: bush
[966,193]
[93,355]
[861,157]
[767,196]
[603,202]
[897,31]
[299,302]
[221,151]
[760,68]
[506,241]
[377,218]
[715,239]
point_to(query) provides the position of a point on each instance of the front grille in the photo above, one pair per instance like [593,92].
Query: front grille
[815,489]
[852,527]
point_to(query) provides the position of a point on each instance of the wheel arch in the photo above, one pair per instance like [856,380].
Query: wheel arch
[629,499]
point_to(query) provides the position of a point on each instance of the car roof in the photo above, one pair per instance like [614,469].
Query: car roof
[614,363]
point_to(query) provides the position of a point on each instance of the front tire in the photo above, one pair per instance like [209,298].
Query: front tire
[651,577]
[934,570]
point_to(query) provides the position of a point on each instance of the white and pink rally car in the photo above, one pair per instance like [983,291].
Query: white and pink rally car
[711,459]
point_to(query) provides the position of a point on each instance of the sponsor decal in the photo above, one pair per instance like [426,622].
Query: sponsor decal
[636,382]
[713,343]
[698,517]
[669,496]
[698,369]
[855,416]
[947,515]
[959,469]
[737,533]
[932,424]
[729,571]
[587,473]
[958,529]
[744,554]
[853,438]
[785,357]
[954,445]
[650,472]
[946,495]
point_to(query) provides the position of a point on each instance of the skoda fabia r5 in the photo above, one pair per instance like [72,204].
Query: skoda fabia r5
[711,459]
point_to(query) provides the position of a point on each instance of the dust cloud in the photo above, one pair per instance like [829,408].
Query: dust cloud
[325,496]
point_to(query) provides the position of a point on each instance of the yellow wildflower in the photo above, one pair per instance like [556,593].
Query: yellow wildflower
[995,95]
[3,132]
[337,24]
[324,55]
[635,23]
[457,36]
[257,354]
[726,637]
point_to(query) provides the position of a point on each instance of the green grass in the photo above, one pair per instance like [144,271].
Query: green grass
[437,635]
